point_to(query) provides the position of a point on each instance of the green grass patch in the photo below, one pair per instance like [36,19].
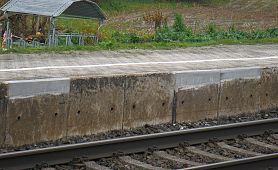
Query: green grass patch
[147,45]
[118,6]
[113,7]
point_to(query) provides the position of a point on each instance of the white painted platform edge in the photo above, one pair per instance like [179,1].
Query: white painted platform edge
[241,73]
[184,79]
[29,88]
[198,78]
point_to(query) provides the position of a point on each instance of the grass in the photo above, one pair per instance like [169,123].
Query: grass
[113,7]
[148,45]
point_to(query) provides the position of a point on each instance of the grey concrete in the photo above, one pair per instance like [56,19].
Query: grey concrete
[31,88]
[148,100]
[95,105]
[123,62]
[241,73]
[36,119]
[197,78]
[49,96]
[3,112]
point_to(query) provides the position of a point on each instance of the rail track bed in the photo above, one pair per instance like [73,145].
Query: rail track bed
[248,145]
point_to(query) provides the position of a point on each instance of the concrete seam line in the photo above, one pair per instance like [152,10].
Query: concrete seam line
[29,88]
[132,64]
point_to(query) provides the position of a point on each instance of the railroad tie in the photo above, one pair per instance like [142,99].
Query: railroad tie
[164,155]
[92,165]
[138,164]
[48,169]
[261,144]
[238,150]
[207,154]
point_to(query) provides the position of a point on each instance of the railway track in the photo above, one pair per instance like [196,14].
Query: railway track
[216,147]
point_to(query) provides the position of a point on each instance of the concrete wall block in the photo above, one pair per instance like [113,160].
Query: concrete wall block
[268,89]
[3,111]
[148,100]
[239,96]
[36,119]
[198,103]
[96,105]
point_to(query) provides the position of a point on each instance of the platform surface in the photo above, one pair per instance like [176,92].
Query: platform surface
[109,63]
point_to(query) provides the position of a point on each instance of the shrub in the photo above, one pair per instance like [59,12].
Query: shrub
[155,17]
[212,28]
[179,25]
[106,44]
[126,37]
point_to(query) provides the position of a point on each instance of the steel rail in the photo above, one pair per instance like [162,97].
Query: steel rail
[135,144]
[269,161]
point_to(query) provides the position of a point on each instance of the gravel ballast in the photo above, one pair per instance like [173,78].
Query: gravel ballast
[148,129]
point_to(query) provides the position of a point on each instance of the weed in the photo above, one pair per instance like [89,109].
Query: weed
[155,17]
[126,37]
[179,23]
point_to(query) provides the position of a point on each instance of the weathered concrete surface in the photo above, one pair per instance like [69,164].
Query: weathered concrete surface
[234,91]
[95,105]
[148,99]
[3,111]
[197,103]
[99,104]
[40,118]
[124,89]
[197,94]
[239,96]
[137,61]
[269,89]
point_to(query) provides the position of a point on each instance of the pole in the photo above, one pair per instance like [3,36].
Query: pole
[51,34]
[53,31]
[8,32]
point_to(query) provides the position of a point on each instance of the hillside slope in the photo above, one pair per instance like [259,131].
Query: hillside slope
[245,15]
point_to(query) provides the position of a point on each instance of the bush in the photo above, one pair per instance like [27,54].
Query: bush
[180,33]
[106,45]
[212,28]
[126,37]
[179,25]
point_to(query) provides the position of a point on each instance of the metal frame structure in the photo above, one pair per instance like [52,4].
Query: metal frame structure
[84,9]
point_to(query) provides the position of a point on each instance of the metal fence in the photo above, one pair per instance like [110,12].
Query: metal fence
[60,39]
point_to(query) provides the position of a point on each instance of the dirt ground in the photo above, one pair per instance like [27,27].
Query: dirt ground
[244,14]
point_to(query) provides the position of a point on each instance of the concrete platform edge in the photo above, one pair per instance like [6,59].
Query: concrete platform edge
[199,94]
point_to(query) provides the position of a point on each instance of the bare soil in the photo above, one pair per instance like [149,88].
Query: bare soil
[244,15]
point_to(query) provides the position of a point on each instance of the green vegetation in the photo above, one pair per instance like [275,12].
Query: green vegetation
[148,45]
[213,33]
[120,33]
[117,6]
[112,6]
